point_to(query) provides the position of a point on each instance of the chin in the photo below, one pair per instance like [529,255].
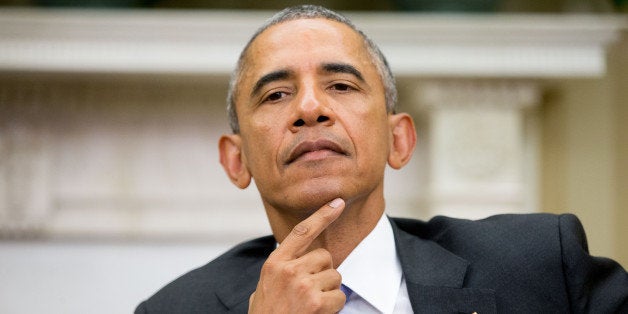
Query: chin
[312,197]
[318,198]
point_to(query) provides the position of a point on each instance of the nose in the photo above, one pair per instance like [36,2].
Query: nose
[311,109]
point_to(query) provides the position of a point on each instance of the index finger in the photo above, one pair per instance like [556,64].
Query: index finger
[304,233]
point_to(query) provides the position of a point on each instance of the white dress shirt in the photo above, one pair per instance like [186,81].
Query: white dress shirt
[373,272]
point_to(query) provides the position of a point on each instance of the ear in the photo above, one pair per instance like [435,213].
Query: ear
[232,160]
[403,139]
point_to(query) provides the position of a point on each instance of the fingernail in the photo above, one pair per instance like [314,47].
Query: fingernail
[336,203]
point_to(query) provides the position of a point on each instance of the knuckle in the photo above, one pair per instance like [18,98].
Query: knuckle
[269,267]
[301,229]
[326,254]
[289,270]
[305,285]
[315,303]
[339,301]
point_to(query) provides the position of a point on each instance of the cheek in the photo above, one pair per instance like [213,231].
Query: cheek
[379,128]
[370,134]
[260,147]
[372,119]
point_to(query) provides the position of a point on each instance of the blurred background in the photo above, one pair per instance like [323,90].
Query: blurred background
[110,112]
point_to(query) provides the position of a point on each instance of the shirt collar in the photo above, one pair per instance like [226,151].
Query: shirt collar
[372,269]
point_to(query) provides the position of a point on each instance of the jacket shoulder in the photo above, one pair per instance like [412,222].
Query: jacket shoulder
[499,239]
[440,227]
[195,291]
[530,256]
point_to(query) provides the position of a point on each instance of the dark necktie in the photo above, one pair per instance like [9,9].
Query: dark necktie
[347,291]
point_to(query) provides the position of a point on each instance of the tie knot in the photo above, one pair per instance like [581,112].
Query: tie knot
[347,291]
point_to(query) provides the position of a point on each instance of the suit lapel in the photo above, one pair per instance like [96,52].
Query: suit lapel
[435,277]
[236,291]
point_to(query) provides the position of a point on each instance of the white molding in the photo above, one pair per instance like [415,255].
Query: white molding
[483,146]
[208,42]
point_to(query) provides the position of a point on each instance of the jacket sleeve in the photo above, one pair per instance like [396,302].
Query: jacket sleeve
[141,308]
[594,284]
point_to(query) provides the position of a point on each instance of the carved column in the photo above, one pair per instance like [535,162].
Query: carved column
[482,146]
[24,163]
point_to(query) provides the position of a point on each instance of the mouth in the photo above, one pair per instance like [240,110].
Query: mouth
[315,150]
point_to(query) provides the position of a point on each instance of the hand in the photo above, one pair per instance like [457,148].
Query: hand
[293,280]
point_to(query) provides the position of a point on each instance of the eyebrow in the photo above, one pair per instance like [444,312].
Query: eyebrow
[285,74]
[342,68]
[269,78]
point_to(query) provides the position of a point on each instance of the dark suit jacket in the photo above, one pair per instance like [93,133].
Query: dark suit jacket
[536,263]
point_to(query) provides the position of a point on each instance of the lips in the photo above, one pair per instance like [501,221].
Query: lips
[314,146]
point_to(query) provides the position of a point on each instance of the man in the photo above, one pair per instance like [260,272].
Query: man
[311,105]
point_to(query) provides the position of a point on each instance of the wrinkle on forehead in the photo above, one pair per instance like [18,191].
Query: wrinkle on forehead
[310,35]
[318,31]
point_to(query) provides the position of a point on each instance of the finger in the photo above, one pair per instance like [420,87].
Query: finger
[328,280]
[314,261]
[334,301]
[304,233]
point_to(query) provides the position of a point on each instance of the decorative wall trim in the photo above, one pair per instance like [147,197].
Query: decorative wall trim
[482,146]
[161,41]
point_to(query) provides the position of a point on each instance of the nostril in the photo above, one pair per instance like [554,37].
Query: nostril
[322,119]
[299,122]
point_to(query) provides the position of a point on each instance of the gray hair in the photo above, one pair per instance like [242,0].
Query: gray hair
[312,12]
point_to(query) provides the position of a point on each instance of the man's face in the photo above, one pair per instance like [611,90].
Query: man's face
[312,113]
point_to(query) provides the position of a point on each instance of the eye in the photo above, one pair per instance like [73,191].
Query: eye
[274,96]
[342,87]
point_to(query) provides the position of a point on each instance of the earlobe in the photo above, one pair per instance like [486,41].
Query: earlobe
[231,159]
[403,140]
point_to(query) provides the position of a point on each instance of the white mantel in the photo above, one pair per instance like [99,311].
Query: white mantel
[162,41]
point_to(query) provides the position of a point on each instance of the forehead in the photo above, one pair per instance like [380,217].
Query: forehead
[305,42]
[308,28]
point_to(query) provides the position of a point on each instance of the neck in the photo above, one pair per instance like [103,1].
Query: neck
[358,219]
